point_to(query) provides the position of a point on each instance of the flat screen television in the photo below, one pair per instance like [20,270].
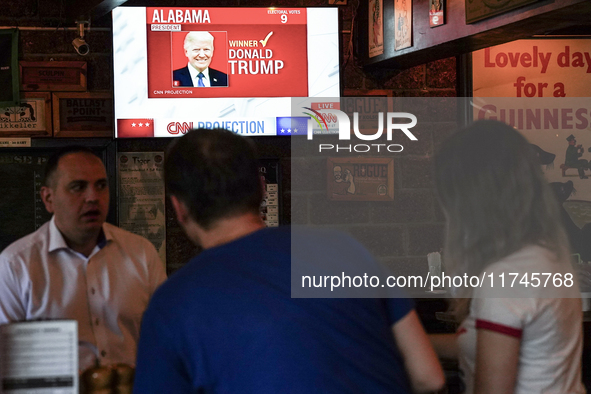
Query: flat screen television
[257,60]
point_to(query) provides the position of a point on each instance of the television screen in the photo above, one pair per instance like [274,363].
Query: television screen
[234,68]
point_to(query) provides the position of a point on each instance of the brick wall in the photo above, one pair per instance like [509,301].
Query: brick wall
[400,233]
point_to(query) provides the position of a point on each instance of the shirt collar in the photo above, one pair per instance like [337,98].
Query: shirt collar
[194,72]
[57,241]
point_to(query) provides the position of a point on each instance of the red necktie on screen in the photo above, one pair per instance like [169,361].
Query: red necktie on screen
[200,82]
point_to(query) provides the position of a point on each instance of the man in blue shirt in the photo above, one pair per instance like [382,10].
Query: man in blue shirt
[226,322]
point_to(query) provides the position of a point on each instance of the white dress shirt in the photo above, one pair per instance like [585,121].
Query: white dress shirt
[194,72]
[106,292]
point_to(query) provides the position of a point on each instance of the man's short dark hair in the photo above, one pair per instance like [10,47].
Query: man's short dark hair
[53,161]
[215,173]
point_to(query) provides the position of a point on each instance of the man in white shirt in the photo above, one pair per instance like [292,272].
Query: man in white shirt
[78,267]
[198,47]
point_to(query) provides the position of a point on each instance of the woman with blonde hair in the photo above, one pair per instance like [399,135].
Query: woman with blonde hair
[522,336]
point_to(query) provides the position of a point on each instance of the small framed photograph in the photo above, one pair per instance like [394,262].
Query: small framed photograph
[436,13]
[82,114]
[360,179]
[32,118]
[53,76]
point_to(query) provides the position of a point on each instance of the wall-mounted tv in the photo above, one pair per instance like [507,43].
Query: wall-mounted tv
[235,68]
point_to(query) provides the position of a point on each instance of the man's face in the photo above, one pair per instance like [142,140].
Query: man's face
[199,52]
[572,142]
[78,196]
[337,173]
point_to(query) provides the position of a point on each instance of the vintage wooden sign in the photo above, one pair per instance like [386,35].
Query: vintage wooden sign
[53,76]
[477,10]
[82,114]
[31,118]
[360,179]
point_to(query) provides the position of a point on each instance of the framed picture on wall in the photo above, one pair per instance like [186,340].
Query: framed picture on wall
[376,28]
[360,179]
[31,118]
[82,114]
[402,24]
[436,13]
[545,95]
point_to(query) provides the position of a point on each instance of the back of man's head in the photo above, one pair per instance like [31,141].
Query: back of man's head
[215,174]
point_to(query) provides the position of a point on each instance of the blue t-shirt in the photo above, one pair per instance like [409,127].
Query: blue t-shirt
[226,323]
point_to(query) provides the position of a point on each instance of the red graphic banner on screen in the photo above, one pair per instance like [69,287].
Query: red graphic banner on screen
[263,52]
[135,128]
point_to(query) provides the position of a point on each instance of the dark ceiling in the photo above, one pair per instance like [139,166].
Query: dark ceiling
[97,10]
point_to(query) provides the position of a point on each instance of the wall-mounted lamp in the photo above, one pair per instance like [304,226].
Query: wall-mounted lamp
[79,43]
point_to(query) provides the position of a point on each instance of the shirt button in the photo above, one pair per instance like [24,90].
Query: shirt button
[103,353]
[92,290]
[96,321]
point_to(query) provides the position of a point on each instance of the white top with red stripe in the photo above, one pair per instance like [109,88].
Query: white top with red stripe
[550,329]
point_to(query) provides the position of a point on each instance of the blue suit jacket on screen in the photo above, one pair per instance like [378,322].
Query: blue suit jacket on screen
[216,78]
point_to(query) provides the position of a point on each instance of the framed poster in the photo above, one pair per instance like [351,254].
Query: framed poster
[82,114]
[533,68]
[53,76]
[31,118]
[402,24]
[436,13]
[376,28]
[541,87]
[141,196]
[360,179]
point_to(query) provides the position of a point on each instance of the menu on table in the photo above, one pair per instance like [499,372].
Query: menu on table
[39,357]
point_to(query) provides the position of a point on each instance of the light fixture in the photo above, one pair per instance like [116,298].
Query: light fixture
[79,43]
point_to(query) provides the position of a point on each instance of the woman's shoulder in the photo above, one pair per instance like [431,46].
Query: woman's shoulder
[533,271]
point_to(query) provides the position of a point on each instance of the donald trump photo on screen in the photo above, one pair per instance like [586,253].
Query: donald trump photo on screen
[198,47]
